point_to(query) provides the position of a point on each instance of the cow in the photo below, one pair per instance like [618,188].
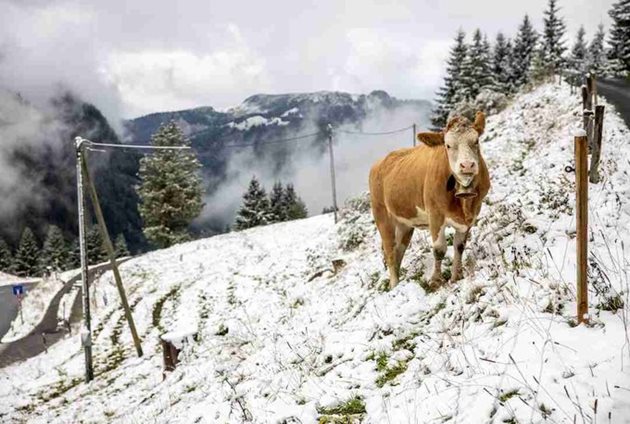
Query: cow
[440,182]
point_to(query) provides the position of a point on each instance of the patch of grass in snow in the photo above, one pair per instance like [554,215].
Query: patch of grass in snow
[406,343]
[348,412]
[545,411]
[159,305]
[390,373]
[505,396]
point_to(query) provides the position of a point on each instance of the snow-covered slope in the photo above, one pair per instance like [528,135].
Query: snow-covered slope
[294,325]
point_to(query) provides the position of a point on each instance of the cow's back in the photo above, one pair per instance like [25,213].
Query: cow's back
[398,180]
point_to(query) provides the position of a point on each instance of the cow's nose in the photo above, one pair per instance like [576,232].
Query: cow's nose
[467,167]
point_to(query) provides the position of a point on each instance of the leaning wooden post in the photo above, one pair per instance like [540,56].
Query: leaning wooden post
[112,256]
[581,200]
[597,144]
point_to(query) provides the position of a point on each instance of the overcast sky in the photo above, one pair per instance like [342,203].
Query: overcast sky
[136,57]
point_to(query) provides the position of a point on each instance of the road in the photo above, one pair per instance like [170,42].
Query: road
[8,307]
[617,92]
[33,343]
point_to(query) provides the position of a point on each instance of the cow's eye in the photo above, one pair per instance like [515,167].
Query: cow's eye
[448,147]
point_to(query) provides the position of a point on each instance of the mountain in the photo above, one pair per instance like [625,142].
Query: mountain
[38,178]
[38,184]
[264,118]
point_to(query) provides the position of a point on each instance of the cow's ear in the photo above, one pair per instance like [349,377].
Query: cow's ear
[431,138]
[480,122]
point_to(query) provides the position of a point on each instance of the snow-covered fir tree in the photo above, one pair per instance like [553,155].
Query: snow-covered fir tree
[476,72]
[553,38]
[26,259]
[523,51]
[296,209]
[255,209]
[96,252]
[540,69]
[6,258]
[120,246]
[171,189]
[277,205]
[502,64]
[74,259]
[449,94]
[619,39]
[597,61]
[56,252]
[577,60]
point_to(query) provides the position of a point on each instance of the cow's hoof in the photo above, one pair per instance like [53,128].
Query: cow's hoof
[436,282]
[456,277]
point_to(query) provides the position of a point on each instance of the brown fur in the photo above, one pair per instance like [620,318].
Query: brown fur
[408,179]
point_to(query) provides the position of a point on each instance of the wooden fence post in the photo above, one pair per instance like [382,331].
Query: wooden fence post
[597,144]
[587,111]
[414,135]
[581,200]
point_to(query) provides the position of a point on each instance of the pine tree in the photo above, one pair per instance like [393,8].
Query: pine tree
[502,64]
[539,69]
[619,53]
[523,53]
[450,93]
[120,246]
[96,252]
[553,34]
[55,253]
[26,261]
[476,73]
[276,201]
[296,209]
[171,189]
[577,60]
[597,62]
[255,209]
[6,258]
[74,258]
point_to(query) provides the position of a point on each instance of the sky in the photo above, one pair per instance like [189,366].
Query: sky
[131,58]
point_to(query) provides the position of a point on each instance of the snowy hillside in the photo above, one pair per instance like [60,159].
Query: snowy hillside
[295,326]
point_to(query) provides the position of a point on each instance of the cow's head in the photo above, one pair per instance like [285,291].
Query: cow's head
[460,138]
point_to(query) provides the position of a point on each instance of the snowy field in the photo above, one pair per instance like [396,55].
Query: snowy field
[294,324]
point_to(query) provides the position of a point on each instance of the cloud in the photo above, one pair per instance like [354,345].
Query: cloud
[161,80]
[398,63]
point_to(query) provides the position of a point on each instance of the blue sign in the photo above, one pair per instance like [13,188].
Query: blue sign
[18,290]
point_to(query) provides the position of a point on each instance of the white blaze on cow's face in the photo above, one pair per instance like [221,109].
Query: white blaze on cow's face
[462,149]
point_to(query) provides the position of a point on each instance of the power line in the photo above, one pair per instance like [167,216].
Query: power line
[284,140]
[376,133]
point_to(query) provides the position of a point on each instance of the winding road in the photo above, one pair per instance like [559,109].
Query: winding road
[617,92]
[33,343]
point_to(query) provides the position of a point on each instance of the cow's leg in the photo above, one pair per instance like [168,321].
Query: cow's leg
[436,227]
[388,235]
[403,237]
[459,243]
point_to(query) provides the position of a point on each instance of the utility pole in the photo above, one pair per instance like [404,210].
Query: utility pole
[332,170]
[100,219]
[414,135]
[86,332]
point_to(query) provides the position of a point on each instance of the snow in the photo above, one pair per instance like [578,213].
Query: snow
[34,304]
[9,280]
[256,121]
[291,317]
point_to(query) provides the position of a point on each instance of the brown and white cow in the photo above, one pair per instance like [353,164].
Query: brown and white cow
[441,182]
